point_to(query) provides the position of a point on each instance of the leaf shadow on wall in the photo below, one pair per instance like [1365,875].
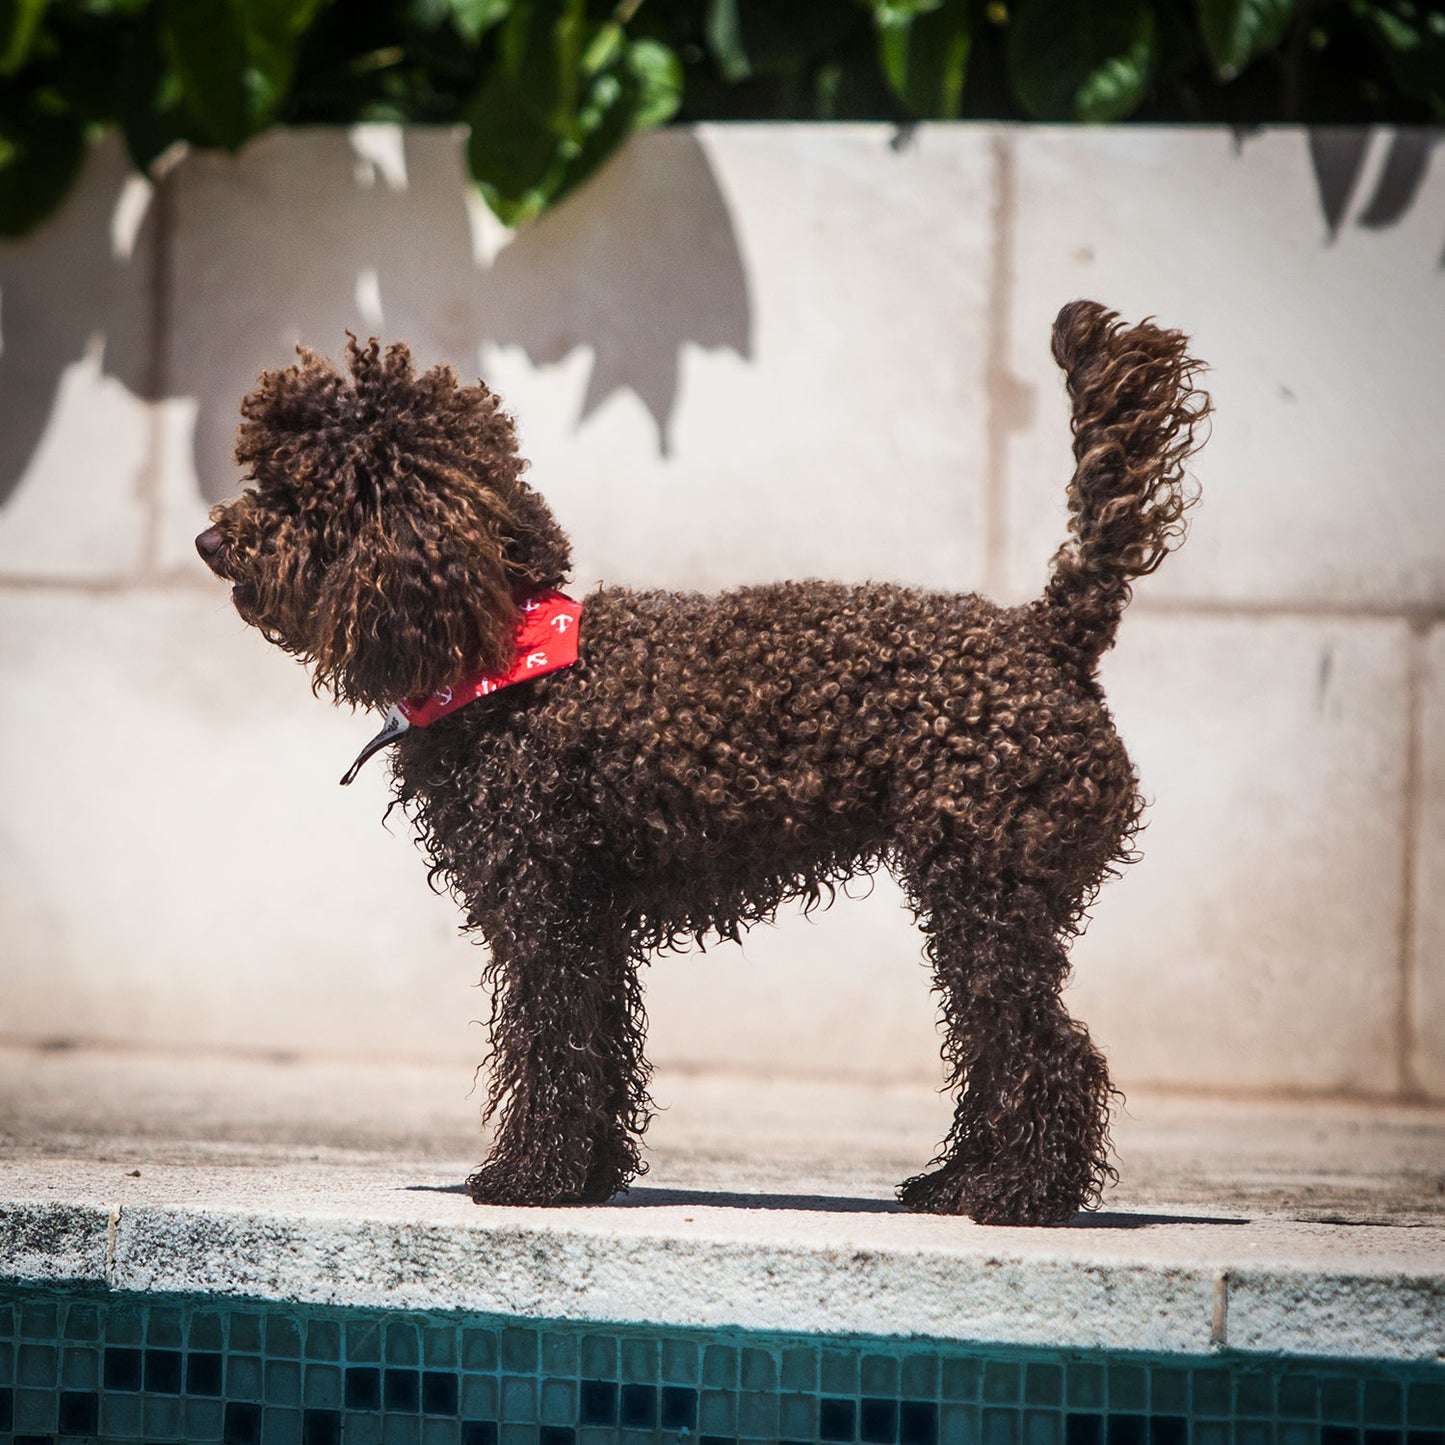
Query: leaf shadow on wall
[374,234]
[637,269]
[1338,157]
[79,286]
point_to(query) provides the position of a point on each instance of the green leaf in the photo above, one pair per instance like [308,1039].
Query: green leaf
[724,30]
[471,19]
[1237,31]
[752,38]
[40,157]
[526,108]
[657,73]
[19,22]
[1089,60]
[537,138]
[1410,39]
[924,54]
[235,60]
[149,98]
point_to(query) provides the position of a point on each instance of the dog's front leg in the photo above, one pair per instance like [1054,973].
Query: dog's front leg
[568,1080]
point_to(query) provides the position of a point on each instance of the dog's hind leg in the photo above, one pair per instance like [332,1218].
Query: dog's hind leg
[1029,1142]
[568,1080]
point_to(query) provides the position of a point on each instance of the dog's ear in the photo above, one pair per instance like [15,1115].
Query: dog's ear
[404,494]
[419,599]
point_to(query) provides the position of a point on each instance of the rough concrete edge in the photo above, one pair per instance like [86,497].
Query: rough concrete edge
[667,1281]
[1396,1316]
[55,1243]
[663,1280]
[700,1283]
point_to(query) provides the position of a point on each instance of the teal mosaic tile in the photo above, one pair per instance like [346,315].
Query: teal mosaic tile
[204,1331]
[720,1366]
[1002,1382]
[1042,1427]
[838,1371]
[1084,1386]
[799,1369]
[518,1349]
[958,1425]
[918,1376]
[1384,1403]
[439,1347]
[682,1362]
[877,1375]
[1044,1385]
[1169,1391]
[323,1387]
[403,1347]
[1340,1401]
[80,1369]
[147,1372]
[163,1328]
[1253,1394]
[599,1357]
[82,1322]
[245,1332]
[37,1365]
[1426,1408]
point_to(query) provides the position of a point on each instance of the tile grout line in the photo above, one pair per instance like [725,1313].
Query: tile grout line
[1408,1016]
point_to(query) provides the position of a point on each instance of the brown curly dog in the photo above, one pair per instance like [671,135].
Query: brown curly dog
[705,758]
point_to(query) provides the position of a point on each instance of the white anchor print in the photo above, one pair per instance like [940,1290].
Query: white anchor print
[562,622]
[536,659]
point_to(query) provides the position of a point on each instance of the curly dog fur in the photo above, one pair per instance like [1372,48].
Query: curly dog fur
[709,757]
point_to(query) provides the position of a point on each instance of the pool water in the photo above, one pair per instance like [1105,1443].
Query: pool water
[113,1367]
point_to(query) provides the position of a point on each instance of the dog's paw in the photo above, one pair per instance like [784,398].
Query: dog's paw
[950,1190]
[500,1184]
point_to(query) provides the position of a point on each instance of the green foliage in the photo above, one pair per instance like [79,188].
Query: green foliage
[1089,60]
[19,20]
[549,89]
[923,47]
[235,60]
[1236,31]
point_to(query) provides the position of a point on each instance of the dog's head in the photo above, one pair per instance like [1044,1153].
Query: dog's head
[386,529]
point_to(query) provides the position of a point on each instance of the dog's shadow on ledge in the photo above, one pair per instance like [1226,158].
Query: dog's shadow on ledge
[654,1197]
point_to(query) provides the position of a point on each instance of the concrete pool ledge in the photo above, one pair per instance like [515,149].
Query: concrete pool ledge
[749,1219]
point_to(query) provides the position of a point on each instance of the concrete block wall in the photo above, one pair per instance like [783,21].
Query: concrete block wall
[749,352]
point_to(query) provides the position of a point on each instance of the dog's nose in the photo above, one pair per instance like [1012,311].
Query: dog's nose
[208,544]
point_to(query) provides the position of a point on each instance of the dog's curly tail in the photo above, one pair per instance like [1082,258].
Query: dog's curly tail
[1136,415]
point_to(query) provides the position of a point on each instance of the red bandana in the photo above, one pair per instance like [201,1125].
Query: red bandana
[546,640]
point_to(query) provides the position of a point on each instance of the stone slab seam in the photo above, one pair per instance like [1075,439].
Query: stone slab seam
[1410,1037]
